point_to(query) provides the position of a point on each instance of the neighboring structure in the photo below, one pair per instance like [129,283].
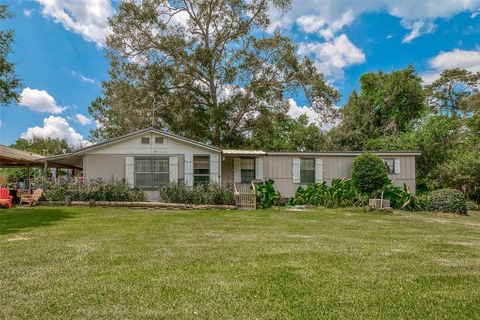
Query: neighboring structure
[150,158]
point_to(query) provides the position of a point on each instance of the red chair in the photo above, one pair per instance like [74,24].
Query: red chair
[5,198]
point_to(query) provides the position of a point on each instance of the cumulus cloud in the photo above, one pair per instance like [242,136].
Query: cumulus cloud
[39,101]
[295,111]
[57,128]
[334,16]
[334,55]
[87,17]
[456,58]
[83,119]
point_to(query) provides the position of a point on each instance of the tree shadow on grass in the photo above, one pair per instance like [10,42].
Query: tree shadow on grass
[13,221]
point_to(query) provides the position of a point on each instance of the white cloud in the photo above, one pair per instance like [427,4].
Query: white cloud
[83,119]
[334,55]
[28,12]
[418,28]
[295,111]
[310,23]
[85,17]
[57,128]
[83,78]
[456,58]
[334,15]
[39,101]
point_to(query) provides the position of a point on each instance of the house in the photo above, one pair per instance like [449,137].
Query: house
[150,158]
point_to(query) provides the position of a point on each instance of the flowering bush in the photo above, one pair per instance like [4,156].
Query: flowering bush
[96,189]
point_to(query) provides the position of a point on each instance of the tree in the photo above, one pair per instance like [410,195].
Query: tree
[386,105]
[43,146]
[449,92]
[9,82]
[369,173]
[202,69]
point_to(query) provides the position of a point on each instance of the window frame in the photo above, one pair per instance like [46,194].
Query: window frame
[302,177]
[151,172]
[390,172]
[199,175]
[242,170]
[145,140]
[157,139]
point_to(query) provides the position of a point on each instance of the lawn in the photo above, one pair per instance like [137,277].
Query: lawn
[76,263]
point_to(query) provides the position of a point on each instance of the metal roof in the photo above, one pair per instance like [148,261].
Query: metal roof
[243,152]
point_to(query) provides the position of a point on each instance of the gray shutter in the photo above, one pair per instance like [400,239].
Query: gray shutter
[259,168]
[296,170]
[318,170]
[130,171]
[189,169]
[397,166]
[214,168]
[173,169]
[237,170]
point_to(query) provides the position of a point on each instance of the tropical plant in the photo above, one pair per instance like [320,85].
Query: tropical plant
[342,193]
[266,195]
[402,198]
[369,173]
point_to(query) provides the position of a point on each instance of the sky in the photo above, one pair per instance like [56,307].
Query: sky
[59,52]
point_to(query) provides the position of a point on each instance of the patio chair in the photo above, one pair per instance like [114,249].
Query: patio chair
[5,197]
[33,198]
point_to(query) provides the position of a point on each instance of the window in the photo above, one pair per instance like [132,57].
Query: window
[150,173]
[145,140]
[247,170]
[158,140]
[390,163]
[201,170]
[307,171]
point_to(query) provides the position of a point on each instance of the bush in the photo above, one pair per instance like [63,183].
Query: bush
[96,189]
[369,173]
[342,193]
[402,198]
[201,194]
[266,195]
[447,200]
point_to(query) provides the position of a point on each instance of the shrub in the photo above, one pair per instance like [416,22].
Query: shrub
[266,195]
[96,189]
[369,173]
[342,193]
[200,194]
[447,200]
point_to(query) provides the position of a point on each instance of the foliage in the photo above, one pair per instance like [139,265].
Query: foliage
[201,194]
[21,174]
[342,193]
[447,200]
[402,198]
[447,94]
[266,195]
[95,189]
[463,173]
[44,146]
[202,70]
[369,173]
[9,82]
[386,105]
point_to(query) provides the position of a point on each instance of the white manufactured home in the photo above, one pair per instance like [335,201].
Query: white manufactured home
[151,158]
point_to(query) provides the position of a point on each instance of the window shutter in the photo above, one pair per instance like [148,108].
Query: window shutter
[237,170]
[296,170]
[214,168]
[259,168]
[130,171]
[318,170]
[397,166]
[173,169]
[189,169]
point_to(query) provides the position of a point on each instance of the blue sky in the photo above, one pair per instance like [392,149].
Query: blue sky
[59,56]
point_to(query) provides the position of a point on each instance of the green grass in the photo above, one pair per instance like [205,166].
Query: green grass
[76,263]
